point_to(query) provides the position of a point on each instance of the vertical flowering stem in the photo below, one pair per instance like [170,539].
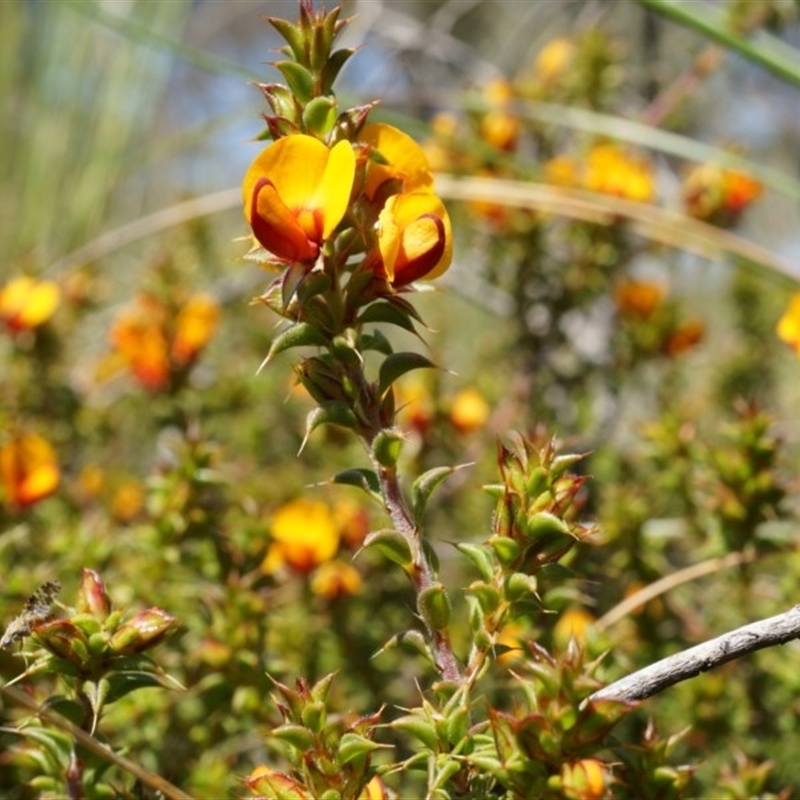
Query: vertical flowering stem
[344,211]
[423,576]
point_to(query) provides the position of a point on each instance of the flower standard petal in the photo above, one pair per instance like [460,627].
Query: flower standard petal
[406,160]
[333,194]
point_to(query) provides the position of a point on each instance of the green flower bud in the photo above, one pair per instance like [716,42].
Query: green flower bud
[314,716]
[142,632]
[520,586]
[506,549]
[433,606]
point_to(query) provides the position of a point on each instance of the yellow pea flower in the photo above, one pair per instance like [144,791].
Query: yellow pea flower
[296,192]
[194,327]
[586,779]
[638,298]
[304,535]
[374,790]
[788,329]
[28,469]
[414,238]
[143,336]
[26,303]
[138,336]
[554,59]
[469,410]
[336,579]
[611,171]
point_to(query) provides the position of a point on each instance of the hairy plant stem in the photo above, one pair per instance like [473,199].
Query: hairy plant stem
[422,572]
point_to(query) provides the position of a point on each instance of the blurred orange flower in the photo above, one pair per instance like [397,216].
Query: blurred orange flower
[638,298]
[606,169]
[375,790]
[718,195]
[574,623]
[28,469]
[304,535]
[415,406]
[609,170]
[296,192]
[438,150]
[469,410]
[562,171]
[142,336]
[336,579]
[788,328]
[195,325]
[554,59]
[498,127]
[26,303]
[128,501]
[688,333]
[352,522]
[511,636]
[138,336]
[584,780]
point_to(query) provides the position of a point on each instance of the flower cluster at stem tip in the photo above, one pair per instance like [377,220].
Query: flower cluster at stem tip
[333,192]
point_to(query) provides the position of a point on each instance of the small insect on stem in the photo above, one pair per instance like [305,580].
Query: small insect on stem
[38,608]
